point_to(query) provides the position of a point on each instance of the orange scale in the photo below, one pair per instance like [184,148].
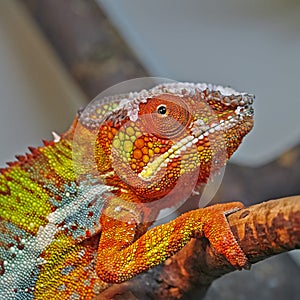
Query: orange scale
[146,158]
[150,145]
[137,154]
[114,130]
[145,150]
[174,164]
[156,150]
[139,143]
[163,150]
[110,135]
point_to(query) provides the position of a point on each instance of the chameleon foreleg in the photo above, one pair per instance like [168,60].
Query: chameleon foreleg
[117,261]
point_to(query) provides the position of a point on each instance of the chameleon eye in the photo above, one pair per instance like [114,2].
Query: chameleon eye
[165,116]
[161,109]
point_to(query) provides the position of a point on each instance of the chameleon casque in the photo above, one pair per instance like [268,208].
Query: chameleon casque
[75,213]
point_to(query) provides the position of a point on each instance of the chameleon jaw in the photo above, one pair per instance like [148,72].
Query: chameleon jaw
[152,168]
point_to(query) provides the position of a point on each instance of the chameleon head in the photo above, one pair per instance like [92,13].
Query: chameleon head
[173,131]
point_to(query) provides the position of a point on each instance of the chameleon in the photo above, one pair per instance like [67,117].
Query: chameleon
[76,214]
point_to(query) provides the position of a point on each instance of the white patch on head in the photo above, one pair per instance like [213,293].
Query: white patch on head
[226,95]
[131,103]
[226,91]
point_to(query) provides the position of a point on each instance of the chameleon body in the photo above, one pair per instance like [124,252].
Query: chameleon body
[75,213]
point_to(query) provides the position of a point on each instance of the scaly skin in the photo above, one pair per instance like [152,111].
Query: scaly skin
[75,213]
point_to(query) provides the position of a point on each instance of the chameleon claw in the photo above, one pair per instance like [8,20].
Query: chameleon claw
[220,236]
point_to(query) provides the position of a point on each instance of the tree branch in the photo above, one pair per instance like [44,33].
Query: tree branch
[262,230]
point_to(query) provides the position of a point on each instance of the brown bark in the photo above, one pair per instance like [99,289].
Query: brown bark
[262,230]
